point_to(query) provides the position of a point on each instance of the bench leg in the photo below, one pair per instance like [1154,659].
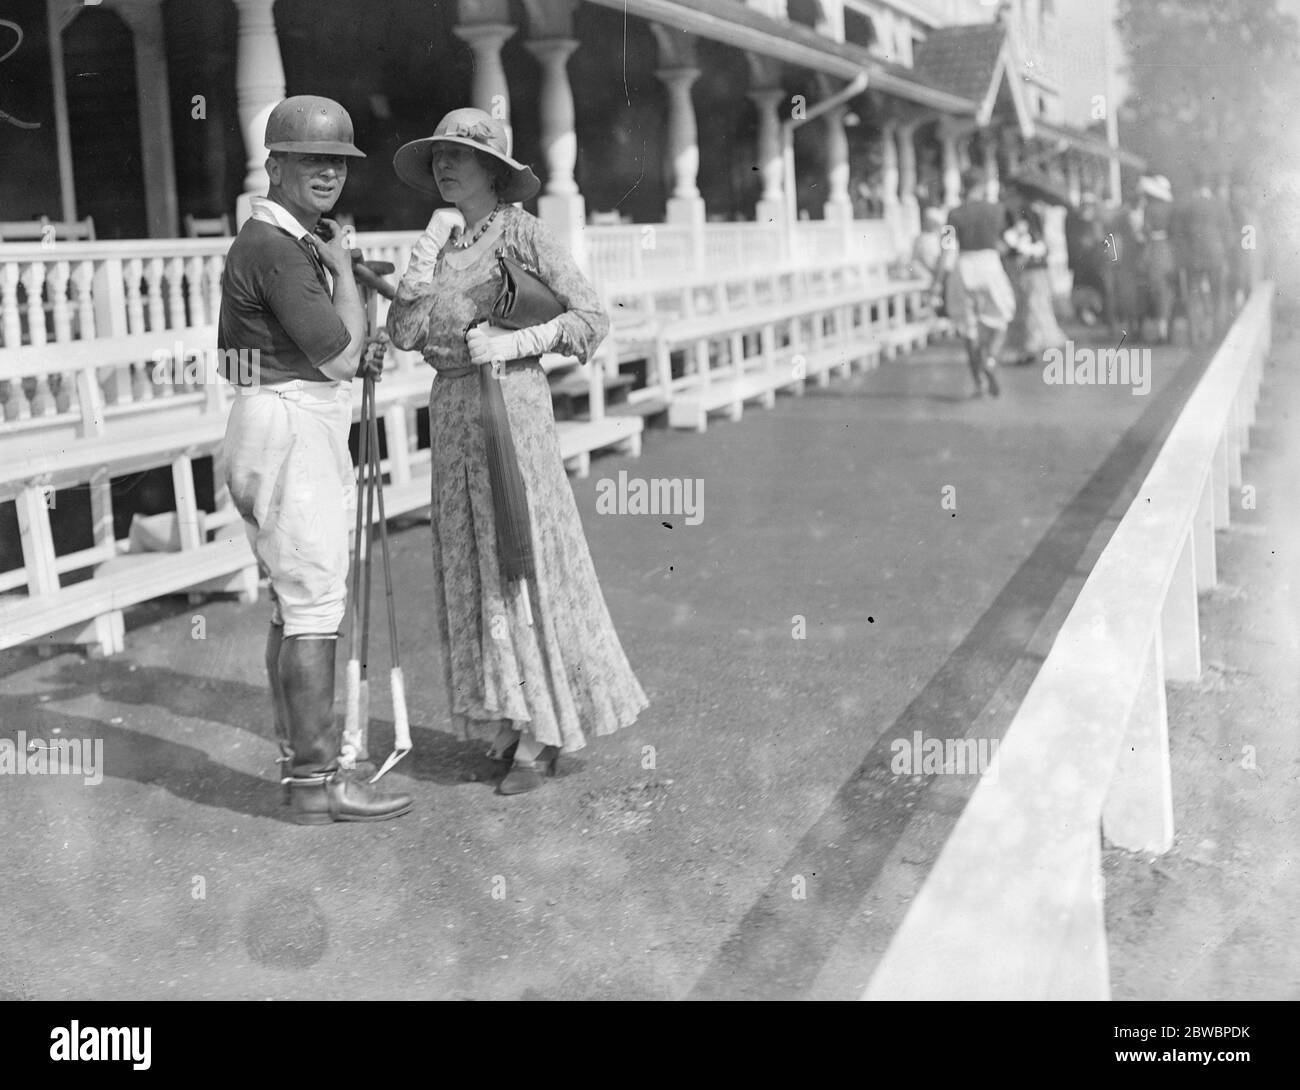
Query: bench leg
[103,636]
[243,584]
[246,585]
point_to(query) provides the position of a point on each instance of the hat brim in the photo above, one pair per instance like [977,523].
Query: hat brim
[414,165]
[318,147]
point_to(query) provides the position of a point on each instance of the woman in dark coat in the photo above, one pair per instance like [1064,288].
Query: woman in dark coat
[1085,239]
[1159,271]
[1123,252]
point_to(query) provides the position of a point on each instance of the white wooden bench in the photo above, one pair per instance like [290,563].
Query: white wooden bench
[208,226]
[47,231]
[90,395]
[749,334]
[87,394]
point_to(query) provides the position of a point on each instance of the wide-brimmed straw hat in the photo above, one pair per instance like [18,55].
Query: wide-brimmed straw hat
[1157,186]
[474,129]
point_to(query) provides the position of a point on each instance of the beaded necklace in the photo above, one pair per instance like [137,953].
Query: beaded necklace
[461,244]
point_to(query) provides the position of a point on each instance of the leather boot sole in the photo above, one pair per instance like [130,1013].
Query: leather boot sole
[330,819]
[319,801]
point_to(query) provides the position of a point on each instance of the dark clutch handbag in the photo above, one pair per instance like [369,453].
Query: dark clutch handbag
[524,300]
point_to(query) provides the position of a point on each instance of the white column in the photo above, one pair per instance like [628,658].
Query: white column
[910,211]
[989,151]
[1072,180]
[951,169]
[259,86]
[889,173]
[489,90]
[839,205]
[1011,149]
[889,178]
[683,151]
[771,205]
[559,138]
[561,207]
[56,19]
[158,162]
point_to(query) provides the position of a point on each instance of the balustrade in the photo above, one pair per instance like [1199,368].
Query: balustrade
[77,292]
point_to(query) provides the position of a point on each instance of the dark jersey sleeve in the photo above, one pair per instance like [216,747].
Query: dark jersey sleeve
[293,291]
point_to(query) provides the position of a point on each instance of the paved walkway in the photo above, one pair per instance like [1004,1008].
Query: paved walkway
[179,877]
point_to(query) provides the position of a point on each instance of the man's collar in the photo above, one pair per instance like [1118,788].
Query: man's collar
[274,213]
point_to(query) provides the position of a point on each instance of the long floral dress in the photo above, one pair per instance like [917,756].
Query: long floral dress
[1034,329]
[566,676]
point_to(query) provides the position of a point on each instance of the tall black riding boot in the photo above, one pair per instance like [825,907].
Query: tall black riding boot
[274,638]
[319,792]
[976,364]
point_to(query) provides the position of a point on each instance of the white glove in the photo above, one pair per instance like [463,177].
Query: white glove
[424,255]
[488,342]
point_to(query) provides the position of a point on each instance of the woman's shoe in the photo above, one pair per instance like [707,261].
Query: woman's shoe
[528,775]
[990,377]
[507,755]
[501,749]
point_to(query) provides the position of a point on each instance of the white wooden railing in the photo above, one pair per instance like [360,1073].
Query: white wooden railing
[93,337]
[80,293]
[1013,908]
[626,254]
[76,292]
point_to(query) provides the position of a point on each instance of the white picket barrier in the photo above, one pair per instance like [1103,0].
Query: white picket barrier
[1013,908]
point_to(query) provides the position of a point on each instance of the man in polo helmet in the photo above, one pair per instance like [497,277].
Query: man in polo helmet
[290,304]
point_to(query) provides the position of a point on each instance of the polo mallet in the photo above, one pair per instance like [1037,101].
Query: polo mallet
[401,725]
[356,722]
[356,716]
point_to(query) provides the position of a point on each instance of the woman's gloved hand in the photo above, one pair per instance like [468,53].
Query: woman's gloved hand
[424,254]
[488,342]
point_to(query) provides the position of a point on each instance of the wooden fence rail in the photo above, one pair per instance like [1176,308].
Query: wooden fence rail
[1013,908]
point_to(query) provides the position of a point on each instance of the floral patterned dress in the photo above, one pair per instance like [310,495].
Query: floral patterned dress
[565,676]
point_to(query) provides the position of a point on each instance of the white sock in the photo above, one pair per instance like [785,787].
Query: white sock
[529,747]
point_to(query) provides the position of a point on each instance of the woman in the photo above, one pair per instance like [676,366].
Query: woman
[1034,329]
[547,684]
[1086,242]
[928,263]
[1159,270]
[1123,268]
